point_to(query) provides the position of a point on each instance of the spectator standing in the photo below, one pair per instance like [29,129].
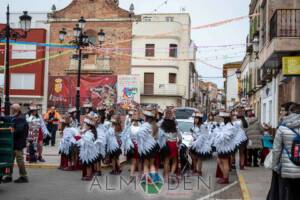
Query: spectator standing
[52,117]
[19,129]
[285,160]
[254,133]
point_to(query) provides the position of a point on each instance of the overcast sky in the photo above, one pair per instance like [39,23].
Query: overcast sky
[201,11]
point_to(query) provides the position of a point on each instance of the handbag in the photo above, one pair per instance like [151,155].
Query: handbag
[268,160]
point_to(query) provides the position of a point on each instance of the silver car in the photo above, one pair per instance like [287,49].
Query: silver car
[185,126]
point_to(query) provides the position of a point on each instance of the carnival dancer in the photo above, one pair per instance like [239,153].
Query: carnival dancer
[211,125]
[108,115]
[100,142]
[128,119]
[160,114]
[37,131]
[129,142]
[67,144]
[88,107]
[170,149]
[114,144]
[224,141]
[87,149]
[72,113]
[195,133]
[202,147]
[241,139]
[148,147]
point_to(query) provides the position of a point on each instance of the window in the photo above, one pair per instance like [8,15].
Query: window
[173,50]
[172,78]
[150,50]
[147,19]
[22,81]
[22,51]
[169,19]
[93,36]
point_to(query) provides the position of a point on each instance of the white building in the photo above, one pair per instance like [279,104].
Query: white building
[163,55]
[231,84]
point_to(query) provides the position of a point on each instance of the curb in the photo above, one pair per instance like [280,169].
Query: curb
[243,186]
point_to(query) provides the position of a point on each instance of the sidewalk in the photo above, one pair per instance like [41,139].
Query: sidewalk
[255,182]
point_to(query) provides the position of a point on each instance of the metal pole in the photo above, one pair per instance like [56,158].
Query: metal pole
[78,85]
[207,95]
[7,35]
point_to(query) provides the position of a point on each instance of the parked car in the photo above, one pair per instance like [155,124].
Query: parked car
[184,126]
[184,112]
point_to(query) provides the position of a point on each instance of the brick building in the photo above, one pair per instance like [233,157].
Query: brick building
[99,14]
[26,81]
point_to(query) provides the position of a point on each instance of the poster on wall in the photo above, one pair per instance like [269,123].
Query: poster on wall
[291,65]
[128,90]
[98,90]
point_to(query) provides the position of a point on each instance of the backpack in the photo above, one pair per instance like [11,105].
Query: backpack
[294,152]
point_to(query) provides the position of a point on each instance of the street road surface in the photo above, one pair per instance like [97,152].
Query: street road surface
[52,184]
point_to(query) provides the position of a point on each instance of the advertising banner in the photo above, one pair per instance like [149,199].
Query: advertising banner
[98,90]
[291,65]
[128,90]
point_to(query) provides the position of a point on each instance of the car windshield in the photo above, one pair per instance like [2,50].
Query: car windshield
[185,126]
[184,113]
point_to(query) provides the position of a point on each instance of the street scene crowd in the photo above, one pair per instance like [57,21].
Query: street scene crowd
[151,138]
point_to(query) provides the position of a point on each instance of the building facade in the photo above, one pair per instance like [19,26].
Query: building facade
[164,56]
[111,58]
[99,14]
[28,78]
[271,72]
[231,84]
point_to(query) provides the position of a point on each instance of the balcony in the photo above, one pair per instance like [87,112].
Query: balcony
[101,65]
[285,23]
[163,90]
[284,38]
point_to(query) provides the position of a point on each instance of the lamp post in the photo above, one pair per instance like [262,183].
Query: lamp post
[81,40]
[255,43]
[8,33]
[238,73]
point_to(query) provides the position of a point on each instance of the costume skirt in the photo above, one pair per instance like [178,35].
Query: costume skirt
[152,153]
[133,152]
[202,155]
[172,149]
[40,135]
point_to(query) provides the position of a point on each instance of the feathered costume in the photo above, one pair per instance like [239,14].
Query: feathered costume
[168,144]
[210,127]
[240,135]
[67,141]
[147,145]
[88,152]
[101,142]
[224,139]
[129,141]
[37,124]
[113,146]
[201,147]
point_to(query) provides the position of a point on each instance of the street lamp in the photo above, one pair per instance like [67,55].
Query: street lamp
[8,33]
[81,40]
[238,73]
[255,43]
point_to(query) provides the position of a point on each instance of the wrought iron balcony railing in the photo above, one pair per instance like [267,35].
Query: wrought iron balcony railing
[285,23]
